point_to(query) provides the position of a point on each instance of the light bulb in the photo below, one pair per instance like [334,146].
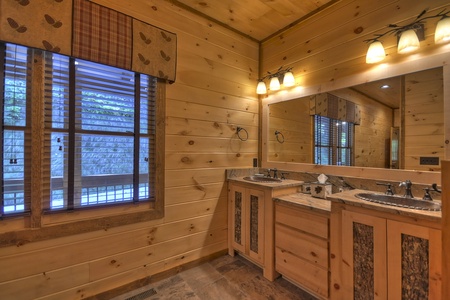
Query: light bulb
[274,84]
[375,53]
[288,79]
[261,88]
[408,42]
[442,34]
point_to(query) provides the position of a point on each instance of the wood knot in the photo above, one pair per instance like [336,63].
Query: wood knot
[358,30]
[186,160]
[191,142]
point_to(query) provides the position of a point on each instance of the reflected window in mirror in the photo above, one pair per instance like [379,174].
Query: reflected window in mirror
[333,141]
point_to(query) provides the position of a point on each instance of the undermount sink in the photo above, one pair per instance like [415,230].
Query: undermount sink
[400,201]
[261,179]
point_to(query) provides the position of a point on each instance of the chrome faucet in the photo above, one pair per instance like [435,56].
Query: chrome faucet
[407,184]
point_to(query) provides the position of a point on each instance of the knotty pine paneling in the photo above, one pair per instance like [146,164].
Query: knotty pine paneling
[330,46]
[176,178]
[65,255]
[194,209]
[212,95]
[424,118]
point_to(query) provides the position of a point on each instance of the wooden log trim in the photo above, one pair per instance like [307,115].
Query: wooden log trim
[22,237]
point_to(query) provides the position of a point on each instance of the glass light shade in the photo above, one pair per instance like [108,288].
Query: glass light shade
[408,42]
[274,84]
[261,88]
[375,53]
[288,79]
[442,34]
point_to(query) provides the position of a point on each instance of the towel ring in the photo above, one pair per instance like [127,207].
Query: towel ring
[277,134]
[238,131]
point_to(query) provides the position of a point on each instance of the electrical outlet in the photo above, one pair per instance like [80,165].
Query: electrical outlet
[429,161]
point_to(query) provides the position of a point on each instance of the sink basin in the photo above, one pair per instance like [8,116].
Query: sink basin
[261,179]
[400,201]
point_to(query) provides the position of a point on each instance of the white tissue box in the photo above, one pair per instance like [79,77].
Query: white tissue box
[320,190]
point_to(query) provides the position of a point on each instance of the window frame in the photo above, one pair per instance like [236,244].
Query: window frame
[334,135]
[89,218]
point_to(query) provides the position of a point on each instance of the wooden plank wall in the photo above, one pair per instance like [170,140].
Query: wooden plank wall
[330,46]
[292,119]
[327,52]
[213,94]
[373,133]
[424,118]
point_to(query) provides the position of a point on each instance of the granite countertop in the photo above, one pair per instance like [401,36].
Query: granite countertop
[274,185]
[349,198]
[306,201]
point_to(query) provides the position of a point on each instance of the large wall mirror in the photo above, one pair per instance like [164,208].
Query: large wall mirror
[401,131]
[400,123]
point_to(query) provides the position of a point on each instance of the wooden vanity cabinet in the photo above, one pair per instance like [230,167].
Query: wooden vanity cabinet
[389,259]
[247,215]
[251,222]
[301,247]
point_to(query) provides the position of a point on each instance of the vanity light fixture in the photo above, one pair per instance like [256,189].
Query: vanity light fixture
[409,36]
[285,74]
[442,34]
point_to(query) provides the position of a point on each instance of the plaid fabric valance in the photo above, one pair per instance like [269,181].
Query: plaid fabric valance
[331,106]
[82,29]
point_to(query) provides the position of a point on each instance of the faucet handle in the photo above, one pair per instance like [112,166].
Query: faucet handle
[435,188]
[283,175]
[427,195]
[389,188]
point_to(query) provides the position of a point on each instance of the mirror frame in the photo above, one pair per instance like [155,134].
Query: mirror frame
[411,64]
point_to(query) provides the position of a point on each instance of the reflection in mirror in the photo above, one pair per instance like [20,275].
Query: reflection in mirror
[401,123]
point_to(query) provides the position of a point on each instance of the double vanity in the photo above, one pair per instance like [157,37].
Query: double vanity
[342,247]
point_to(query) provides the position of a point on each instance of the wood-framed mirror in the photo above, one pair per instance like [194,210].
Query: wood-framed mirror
[418,109]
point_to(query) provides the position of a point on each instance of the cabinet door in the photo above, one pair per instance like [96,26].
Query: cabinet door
[414,261]
[238,213]
[255,224]
[364,256]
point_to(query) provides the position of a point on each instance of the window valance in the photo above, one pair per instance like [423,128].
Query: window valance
[331,106]
[82,29]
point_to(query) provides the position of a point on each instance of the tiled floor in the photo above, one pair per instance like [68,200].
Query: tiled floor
[224,278]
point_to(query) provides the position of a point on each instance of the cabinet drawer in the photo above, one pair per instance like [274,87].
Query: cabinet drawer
[310,248]
[309,276]
[302,220]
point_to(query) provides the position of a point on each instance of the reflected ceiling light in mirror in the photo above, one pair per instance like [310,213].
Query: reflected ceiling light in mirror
[285,74]
[442,34]
[409,36]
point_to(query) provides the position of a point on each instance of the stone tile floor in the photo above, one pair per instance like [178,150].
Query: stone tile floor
[224,278]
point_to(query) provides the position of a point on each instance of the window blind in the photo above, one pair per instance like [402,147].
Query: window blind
[333,141]
[100,130]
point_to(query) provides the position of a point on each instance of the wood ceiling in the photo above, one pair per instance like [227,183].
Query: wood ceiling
[256,19]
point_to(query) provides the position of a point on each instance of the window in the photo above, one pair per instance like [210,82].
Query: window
[98,128]
[333,141]
[15,130]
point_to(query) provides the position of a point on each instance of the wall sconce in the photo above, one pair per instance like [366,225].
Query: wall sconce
[409,36]
[274,85]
